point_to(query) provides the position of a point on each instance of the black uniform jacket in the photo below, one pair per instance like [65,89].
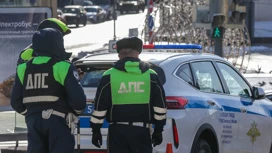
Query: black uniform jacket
[103,103]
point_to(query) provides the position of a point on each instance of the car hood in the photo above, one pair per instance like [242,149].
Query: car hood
[69,14]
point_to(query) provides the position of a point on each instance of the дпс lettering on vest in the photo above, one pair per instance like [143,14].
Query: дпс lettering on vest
[36,81]
[131,85]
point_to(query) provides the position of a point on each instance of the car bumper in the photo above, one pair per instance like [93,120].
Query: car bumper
[71,20]
[92,18]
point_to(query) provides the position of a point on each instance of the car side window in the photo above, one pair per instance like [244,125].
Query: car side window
[206,77]
[236,84]
[185,74]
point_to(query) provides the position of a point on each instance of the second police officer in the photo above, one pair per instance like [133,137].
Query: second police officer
[47,92]
[131,98]
[28,52]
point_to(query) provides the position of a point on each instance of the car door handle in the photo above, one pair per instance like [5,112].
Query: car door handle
[212,103]
[243,110]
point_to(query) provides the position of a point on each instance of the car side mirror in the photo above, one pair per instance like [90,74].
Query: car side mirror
[258,93]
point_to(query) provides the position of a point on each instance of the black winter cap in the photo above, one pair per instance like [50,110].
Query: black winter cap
[48,41]
[131,42]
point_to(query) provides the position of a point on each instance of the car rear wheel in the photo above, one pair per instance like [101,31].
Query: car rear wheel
[104,18]
[77,23]
[143,8]
[202,146]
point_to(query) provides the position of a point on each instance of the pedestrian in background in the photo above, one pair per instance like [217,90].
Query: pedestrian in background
[47,92]
[131,98]
[28,52]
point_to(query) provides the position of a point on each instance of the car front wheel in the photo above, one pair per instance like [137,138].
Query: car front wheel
[202,146]
[138,10]
[85,22]
[77,23]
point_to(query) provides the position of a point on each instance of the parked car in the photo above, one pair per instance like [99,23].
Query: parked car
[95,14]
[107,5]
[131,5]
[75,14]
[61,17]
[212,108]
[87,3]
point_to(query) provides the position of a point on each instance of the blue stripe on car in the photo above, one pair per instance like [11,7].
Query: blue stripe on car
[194,102]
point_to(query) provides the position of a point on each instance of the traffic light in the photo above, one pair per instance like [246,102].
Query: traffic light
[237,13]
[218,22]
[218,32]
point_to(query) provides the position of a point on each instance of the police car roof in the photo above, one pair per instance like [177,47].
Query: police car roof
[155,57]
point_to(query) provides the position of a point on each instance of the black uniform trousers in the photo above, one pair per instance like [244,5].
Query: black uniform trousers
[49,135]
[129,139]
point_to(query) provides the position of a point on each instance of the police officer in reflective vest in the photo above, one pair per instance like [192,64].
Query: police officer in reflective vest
[47,92]
[28,53]
[131,98]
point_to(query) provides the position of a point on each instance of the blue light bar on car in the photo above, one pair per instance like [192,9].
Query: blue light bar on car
[185,46]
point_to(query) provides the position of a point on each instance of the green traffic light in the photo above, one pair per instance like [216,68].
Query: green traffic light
[218,32]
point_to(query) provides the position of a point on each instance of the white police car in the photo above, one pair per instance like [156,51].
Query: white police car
[211,107]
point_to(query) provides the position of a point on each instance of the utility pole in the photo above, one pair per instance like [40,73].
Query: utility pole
[114,15]
[219,12]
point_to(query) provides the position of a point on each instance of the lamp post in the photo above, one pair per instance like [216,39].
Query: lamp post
[114,15]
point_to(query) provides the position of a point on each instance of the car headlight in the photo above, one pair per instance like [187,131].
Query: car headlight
[134,3]
[121,4]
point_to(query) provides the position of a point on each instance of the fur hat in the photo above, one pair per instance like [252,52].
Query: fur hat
[131,43]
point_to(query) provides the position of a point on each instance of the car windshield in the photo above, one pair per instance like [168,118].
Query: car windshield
[86,3]
[92,79]
[100,2]
[91,9]
[70,10]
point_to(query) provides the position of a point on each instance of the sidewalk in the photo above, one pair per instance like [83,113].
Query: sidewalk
[260,59]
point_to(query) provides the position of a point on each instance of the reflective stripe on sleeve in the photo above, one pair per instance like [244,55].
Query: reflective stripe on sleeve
[97,121]
[24,112]
[160,117]
[40,99]
[160,110]
[99,113]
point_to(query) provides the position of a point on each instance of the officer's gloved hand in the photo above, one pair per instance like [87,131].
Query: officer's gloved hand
[157,137]
[97,138]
